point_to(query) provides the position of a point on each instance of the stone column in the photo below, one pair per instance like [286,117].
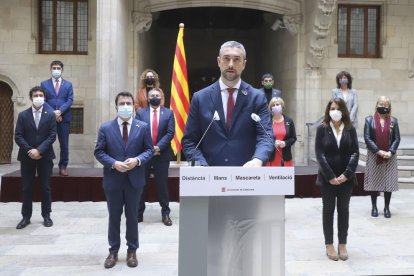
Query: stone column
[113,17]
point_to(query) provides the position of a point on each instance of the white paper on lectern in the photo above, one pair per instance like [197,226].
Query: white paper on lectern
[236,181]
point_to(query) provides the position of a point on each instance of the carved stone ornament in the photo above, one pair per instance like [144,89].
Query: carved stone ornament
[142,21]
[319,36]
[19,100]
[292,23]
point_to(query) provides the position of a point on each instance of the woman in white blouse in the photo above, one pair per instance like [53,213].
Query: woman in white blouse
[345,91]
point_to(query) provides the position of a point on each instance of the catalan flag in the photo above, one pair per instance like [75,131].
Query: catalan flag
[180,102]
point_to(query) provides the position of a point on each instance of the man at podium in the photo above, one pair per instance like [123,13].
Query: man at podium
[220,130]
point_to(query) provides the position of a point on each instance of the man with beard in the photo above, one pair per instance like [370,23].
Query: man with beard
[236,139]
[267,87]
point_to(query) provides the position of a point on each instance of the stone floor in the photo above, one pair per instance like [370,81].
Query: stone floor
[76,244]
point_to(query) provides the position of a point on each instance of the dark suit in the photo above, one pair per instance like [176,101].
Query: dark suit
[27,137]
[62,101]
[221,147]
[271,94]
[334,161]
[123,189]
[159,164]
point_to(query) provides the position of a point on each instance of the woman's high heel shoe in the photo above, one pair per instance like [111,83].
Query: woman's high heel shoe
[331,253]
[343,253]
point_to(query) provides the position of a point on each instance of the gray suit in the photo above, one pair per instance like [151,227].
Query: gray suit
[351,102]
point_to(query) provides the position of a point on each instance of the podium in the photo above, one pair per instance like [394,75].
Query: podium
[232,220]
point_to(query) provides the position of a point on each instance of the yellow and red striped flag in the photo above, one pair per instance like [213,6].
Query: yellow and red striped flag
[180,101]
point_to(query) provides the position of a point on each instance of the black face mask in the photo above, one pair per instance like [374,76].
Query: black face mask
[155,101]
[149,81]
[382,110]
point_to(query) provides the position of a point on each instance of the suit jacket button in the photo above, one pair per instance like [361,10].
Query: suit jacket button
[226,160]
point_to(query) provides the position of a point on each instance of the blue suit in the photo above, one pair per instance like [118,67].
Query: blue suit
[62,101]
[123,189]
[245,140]
[27,137]
[159,164]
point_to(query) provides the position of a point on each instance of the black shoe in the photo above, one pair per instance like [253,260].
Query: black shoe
[374,212]
[23,223]
[387,212]
[47,222]
[166,220]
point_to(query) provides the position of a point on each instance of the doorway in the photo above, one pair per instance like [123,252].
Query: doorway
[205,30]
[6,123]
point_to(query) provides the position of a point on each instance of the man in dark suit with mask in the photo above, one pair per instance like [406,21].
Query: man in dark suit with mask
[123,147]
[35,133]
[267,87]
[59,97]
[161,120]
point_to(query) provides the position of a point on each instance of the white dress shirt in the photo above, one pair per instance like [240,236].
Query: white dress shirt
[34,112]
[225,94]
[338,136]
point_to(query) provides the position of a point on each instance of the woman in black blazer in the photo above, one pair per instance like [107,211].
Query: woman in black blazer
[336,148]
[285,133]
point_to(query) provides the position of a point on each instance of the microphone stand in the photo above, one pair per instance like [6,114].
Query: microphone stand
[257,119]
[216,117]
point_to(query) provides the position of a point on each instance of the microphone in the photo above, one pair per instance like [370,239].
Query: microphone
[216,117]
[257,119]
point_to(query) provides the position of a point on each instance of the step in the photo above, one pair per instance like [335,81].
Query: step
[405,160]
[406,182]
[403,149]
[406,171]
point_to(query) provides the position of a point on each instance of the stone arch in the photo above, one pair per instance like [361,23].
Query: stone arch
[18,97]
[274,6]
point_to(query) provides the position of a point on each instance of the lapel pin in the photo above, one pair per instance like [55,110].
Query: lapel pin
[137,125]
[244,92]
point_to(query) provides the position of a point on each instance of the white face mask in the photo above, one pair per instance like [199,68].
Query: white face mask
[335,115]
[125,111]
[56,73]
[38,101]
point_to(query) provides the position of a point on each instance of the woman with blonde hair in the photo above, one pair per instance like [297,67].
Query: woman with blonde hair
[382,138]
[284,132]
[149,79]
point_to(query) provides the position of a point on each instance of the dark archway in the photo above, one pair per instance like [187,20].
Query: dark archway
[205,30]
[6,123]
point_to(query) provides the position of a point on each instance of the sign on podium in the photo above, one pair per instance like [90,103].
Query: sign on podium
[232,220]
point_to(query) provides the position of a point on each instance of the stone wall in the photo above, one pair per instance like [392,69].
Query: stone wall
[391,75]
[22,68]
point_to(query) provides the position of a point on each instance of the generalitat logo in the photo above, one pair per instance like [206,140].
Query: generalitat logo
[223,189]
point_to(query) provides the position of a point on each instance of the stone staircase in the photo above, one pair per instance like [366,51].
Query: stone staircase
[405,159]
